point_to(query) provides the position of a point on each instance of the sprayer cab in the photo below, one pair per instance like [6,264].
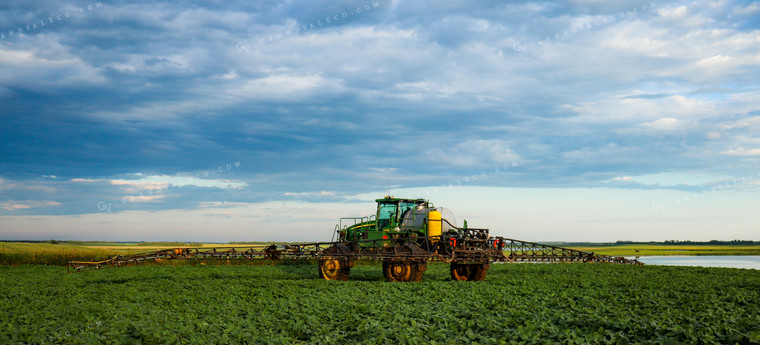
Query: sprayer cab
[394,213]
[397,218]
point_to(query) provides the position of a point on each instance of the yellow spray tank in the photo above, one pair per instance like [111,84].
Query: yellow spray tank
[434,225]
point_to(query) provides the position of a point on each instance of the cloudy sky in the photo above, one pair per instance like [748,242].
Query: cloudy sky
[239,120]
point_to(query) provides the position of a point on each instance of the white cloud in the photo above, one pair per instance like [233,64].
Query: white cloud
[716,61]
[474,153]
[157,182]
[29,186]
[664,124]
[221,204]
[142,198]
[282,85]
[750,9]
[36,67]
[742,152]
[86,180]
[610,153]
[12,205]
[661,113]
[320,193]
[671,13]
[669,179]
[164,181]
[140,185]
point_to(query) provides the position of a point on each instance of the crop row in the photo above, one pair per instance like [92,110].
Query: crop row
[516,304]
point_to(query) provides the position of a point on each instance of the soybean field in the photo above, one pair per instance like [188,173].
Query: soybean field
[289,304]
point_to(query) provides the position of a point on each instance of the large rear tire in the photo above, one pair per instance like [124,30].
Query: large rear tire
[334,269]
[403,269]
[468,272]
[335,264]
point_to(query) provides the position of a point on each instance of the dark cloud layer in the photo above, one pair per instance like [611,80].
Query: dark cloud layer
[347,97]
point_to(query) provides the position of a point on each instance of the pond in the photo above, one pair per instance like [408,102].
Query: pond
[735,261]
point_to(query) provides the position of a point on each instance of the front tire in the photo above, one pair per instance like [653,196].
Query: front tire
[404,267]
[334,269]
[468,272]
[333,265]
[403,271]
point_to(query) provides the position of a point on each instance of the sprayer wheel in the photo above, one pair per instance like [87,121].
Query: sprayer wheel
[334,269]
[403,271]
[468,272]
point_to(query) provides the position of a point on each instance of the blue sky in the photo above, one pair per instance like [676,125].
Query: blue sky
[232,121]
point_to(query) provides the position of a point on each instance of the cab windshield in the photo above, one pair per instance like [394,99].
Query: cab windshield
[385,212]
[393,213]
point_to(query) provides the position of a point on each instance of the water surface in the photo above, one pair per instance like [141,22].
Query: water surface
[734,261]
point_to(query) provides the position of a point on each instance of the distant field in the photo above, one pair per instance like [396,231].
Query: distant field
[17,253]
[14,253]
